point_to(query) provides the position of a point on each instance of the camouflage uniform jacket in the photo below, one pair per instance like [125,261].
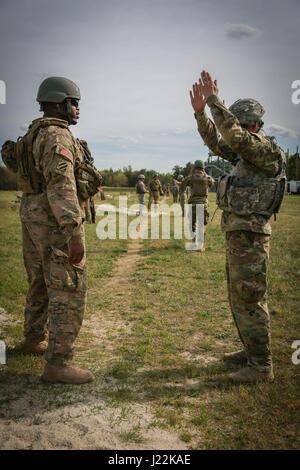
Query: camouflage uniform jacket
[55,151]
[182,188]
[175,188]
[155,185]
[140,187]
[199,182]
[244,150]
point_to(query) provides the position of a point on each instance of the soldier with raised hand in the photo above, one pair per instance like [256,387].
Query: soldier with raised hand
[248,198]
[155,189]
[199,182]
[141,191]
[56,182]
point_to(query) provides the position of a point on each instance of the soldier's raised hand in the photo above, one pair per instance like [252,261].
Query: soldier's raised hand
[197,98]
[207,85]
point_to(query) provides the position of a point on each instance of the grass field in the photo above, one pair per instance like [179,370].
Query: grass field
[156,327]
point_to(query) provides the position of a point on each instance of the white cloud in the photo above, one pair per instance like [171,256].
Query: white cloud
[280,131]
[241,31]
[133,140]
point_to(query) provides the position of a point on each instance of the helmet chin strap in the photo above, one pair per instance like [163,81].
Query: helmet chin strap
[67,114]
[70,118]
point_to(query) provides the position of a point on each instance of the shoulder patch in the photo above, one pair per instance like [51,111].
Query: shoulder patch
[62,165]
[64,152]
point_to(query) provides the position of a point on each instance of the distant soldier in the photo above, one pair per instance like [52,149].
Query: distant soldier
[155,189]
[89,205]
[175,190]
[182,193]
[199,182]
[248,197]
[168,190]
[56,182]
[141,191]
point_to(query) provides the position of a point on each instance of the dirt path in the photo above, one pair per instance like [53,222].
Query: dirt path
[83,417]
[117,290]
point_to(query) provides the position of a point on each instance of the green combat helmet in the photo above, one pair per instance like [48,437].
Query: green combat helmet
[140,177]
[248,111]
[180,177]
[199,164]
[56,90]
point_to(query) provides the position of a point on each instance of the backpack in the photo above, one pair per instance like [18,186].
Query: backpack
[18,156]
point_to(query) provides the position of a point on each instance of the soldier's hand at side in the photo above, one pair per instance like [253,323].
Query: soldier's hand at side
[207,85]
[75,250]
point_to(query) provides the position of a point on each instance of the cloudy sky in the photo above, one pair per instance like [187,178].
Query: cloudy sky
[135,62]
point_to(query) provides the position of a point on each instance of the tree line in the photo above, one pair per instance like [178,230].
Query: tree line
[127,177]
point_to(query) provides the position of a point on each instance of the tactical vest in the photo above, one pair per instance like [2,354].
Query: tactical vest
[88,179]
[247,190]
[18,156]
[175,189]
[199,184]
[182,189]
[154,185]
[140,188]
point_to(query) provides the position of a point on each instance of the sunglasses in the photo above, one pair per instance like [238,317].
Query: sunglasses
[75,102]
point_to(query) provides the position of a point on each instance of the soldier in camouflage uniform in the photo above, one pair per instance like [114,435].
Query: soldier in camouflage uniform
[52,214]
[141,191]
[182,193]
[175,190]
[155,189]
[89,204]
[248,197]
[199,182]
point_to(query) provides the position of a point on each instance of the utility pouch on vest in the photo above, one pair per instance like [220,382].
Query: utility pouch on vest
[87,177]
[88,180]
[221,196]
[18,158]
[278,197]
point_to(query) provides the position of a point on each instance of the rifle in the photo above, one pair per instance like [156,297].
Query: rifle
[93,211]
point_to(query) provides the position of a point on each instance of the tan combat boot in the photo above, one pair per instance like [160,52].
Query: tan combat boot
[250,375]
[31,346]
[66,374]
[237,356]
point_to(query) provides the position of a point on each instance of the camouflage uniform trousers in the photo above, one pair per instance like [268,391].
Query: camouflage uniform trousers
[182,200]
[87,211]
[247,255]
[57,291]
[153,195]
[194,201]
[175,198]
[141,198]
